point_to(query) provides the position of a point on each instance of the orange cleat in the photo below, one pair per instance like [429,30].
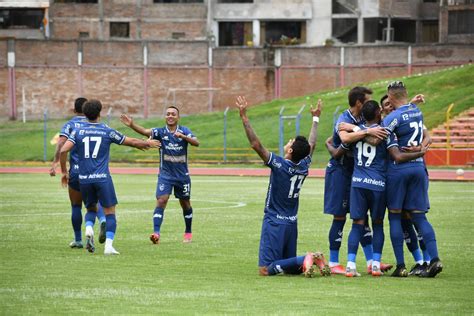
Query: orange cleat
[339,269]
[155,238]
[321,263]
[188,237]
[308,269]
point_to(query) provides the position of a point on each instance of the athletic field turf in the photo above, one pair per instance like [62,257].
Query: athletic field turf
[217,273]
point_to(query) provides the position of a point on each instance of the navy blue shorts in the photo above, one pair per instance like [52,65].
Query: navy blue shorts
[102,192]
[73,181]
[182,188]
[277,241]
[407,189]
[337,190]
[363,200]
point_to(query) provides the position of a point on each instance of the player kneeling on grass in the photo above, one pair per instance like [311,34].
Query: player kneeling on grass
[279,235]
[92,141]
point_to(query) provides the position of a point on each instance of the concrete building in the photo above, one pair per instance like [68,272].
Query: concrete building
[254,23]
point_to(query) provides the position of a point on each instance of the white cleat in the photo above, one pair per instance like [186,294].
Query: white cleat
[110,251]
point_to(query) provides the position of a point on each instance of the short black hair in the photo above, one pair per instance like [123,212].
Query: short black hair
[358,94]
[92,109]
[369,110]
[300,148]
[397,90]
[173,107]
[78,103]
[383,99]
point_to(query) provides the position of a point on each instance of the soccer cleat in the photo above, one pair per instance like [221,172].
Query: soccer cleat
[400,271]
[102,232]
[110,251]
[384,267]
[433,269]
[416,269]
[321,263]
[155,238]
[351,273]
[90,240]
[76,244]
[376,271]
[339,269]
[308,269]
[188,237]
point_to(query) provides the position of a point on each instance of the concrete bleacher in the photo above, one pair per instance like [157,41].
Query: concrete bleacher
[458,148]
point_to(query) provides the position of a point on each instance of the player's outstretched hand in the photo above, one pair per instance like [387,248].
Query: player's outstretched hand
[317,111]
[126,120]
[242,104]
[417,99]
[153,143]
[65,180]
[377,132]
[52,171]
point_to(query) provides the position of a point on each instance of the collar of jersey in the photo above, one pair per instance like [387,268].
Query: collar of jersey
[352,116]
[167,129]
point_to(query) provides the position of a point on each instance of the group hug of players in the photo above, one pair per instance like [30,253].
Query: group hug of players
[375,165]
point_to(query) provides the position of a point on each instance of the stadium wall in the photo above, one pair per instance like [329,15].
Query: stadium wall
[143,77]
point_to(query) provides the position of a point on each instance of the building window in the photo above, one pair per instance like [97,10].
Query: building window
[461,22]
[21,18]
[178,35]
[83,34]
[284,32]
[178,1]
[235,34]
[119,29]
[345,30]
[430,31]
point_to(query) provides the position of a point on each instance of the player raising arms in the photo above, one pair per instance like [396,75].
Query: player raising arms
[278,241]
[75,195]
[92,141]
[407,183]
[174,174]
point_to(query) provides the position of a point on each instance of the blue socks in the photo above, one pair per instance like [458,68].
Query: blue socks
[110,226]
[411,239]
[188,219]
[428,234]
[289,266]
[158,219]
[335,240]
[100,213]
[378,241]
[76,219]
[90,218]
[355,237]
[396,235]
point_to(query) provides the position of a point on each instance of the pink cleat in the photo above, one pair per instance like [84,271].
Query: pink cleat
[155,238]
[321,263]
[339,269]
[308,269]
[188,237]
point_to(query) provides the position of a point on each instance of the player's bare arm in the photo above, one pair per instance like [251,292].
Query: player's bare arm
[193,141]
[141,144]
[335,153]
[54,164]
[400,156]
[128,121]
[418,99]
[313,134]
[242,105]
[68,145]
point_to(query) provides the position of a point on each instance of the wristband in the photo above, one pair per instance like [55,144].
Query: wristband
[316,119]
[356,129]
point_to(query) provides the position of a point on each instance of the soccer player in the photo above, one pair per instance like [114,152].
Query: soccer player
[338,177]
[368,188]
[278,241]
[407,183]
[73,185]
[174,174]
[92,141]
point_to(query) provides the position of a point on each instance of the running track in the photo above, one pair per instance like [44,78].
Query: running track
[435,174]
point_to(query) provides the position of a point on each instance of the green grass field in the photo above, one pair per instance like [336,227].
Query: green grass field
[217,273]
[24,142]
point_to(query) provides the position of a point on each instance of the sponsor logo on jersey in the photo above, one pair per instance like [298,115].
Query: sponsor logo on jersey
[180,159]
[392,125]
[287,218]
[166,137]
[276,164]
[115,135]
[93,176]
[162,187]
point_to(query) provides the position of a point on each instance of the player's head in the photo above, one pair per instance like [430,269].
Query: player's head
[172,115]
[297,148]
[78,103]
[371,111]
[92,109]
[397,93]
[387,107]
[358,95]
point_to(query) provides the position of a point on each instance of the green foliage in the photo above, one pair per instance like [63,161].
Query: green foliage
[24,142]
[217,272]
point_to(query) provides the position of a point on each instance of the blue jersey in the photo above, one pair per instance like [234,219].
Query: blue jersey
[286,179]
[66,131]
[370,163]
[347,160]
[173,152]
[92,141]
[406,123]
